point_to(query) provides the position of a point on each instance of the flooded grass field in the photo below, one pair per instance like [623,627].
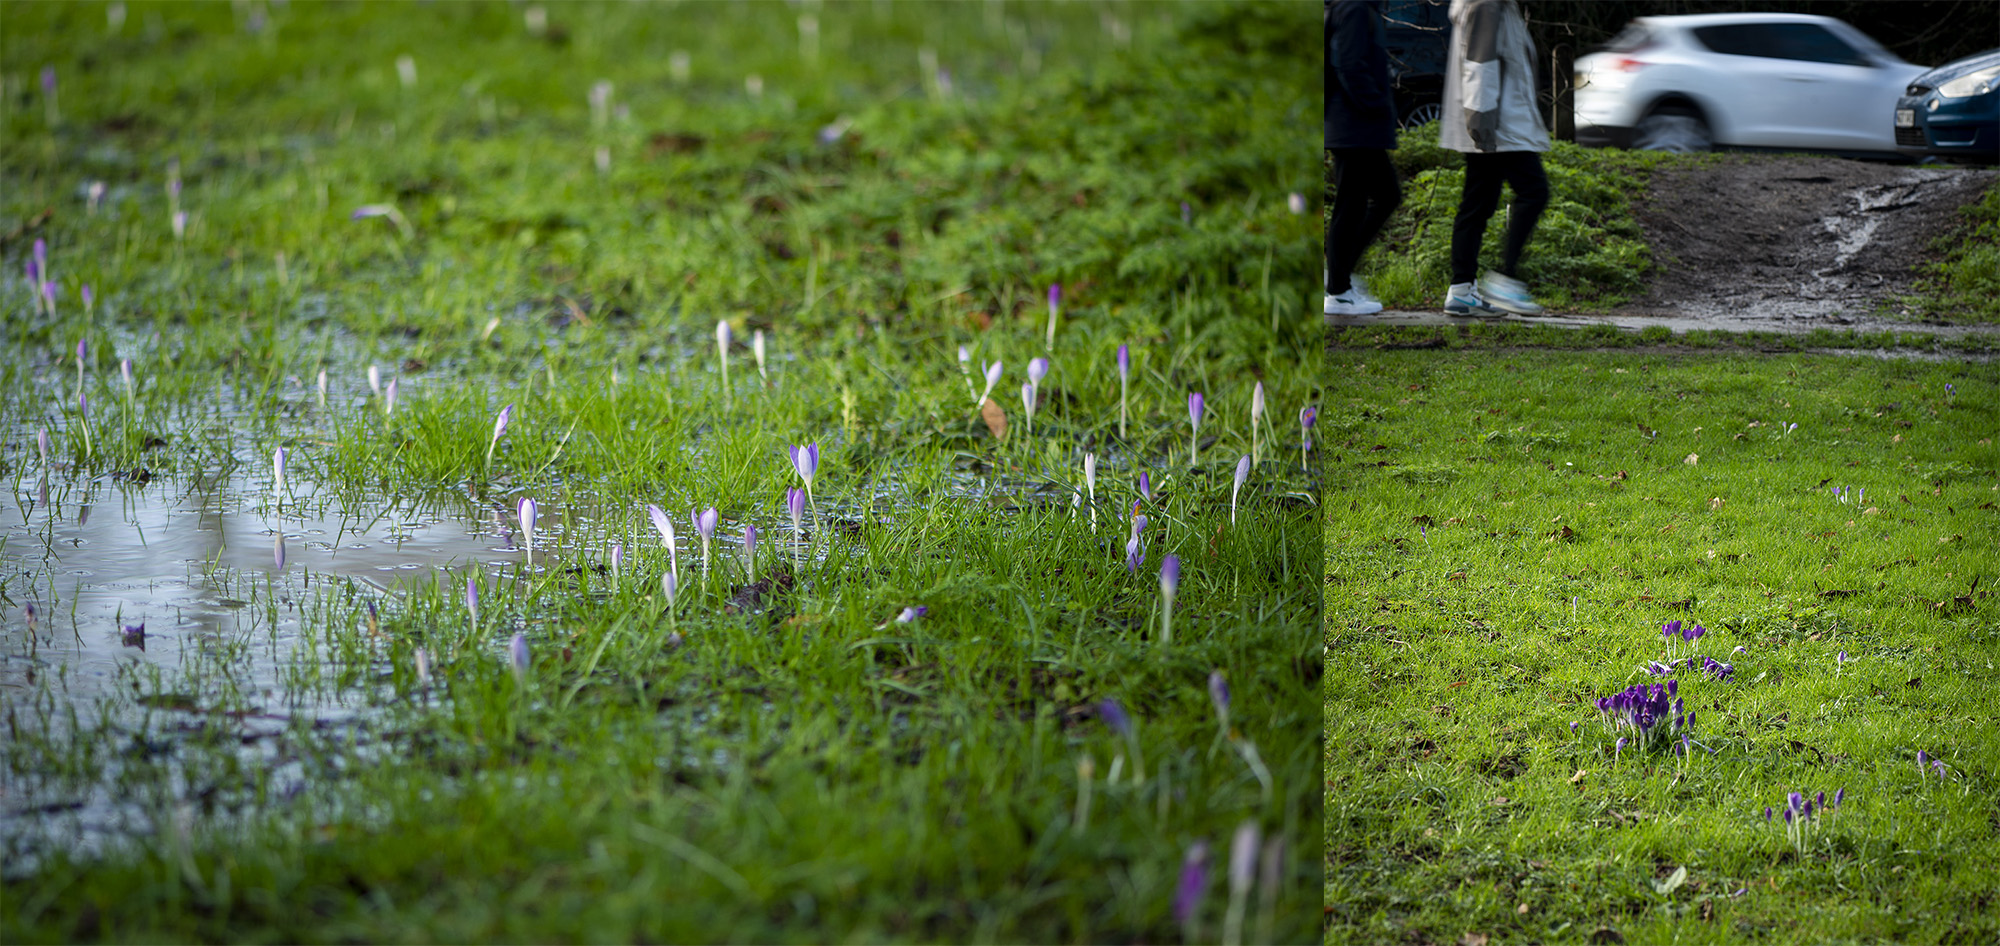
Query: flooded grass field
[708,472]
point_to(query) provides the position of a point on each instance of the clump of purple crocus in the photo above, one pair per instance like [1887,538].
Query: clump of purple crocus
[1802,815]
[1656,711]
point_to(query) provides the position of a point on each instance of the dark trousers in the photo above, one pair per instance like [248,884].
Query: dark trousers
[1484,173]
[1365,193]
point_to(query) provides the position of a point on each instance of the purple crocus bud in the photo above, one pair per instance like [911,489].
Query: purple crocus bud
[133,632]
[964,359]
[1193,883]
[527,513]
[750,545]
[82,352]
[1195,409]
[912,613]
[1135,555]
[1673,687]
[1055,296]
[1146,487]
[617,557]
[805,461]
[1839,796]
[517,656]
[1218,693]
[1840,658]
[1114,716]
[1938,766]
[363,212]
[499,427]
[1788,816]
[1170,575]
[1037,370]
[278,550]
[1920,761]
[1820,799]
[48,80]
[661,524]
[1807,811]
[1670,629]
[668,585]
[1767,814]
[472,596]
[42,441]
[1793,800]
[1308,416]
[1296,202]
[795,501]
[33,273]
[1572,727]
[41,257]
[389,398]
[1124,363]
[706,522]
[992,379]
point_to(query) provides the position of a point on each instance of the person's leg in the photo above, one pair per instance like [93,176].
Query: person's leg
[1524,174]
[1476,203]
[1354,185]
[1385,194]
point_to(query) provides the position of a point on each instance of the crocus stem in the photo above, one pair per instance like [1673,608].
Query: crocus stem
[1166,620]
[1122,386]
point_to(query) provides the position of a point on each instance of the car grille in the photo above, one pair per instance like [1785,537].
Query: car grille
[1910,137]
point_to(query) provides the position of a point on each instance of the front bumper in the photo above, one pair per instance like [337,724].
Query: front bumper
[1964,128]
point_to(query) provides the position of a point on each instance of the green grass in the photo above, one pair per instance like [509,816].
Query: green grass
[1964,284]
[1506,536]
[771,761]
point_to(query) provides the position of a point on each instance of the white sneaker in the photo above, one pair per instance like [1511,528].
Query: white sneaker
[1352,302]
[1510,294]
[1464,299]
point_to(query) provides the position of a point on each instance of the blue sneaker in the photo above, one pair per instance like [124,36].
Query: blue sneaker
[1510,294]
[1464,299]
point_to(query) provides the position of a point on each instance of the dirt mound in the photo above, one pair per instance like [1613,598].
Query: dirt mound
[1794,241]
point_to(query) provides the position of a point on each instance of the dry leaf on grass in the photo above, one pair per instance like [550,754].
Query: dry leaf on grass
[995,417]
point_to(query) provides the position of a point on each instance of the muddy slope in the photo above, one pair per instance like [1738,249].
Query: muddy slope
[1794,239]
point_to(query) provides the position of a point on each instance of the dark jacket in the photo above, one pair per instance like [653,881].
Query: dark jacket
[1360,108]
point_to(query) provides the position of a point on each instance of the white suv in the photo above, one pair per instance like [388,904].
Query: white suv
[1746,80]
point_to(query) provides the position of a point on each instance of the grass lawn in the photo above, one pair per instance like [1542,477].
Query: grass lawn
[1507,535]
[935,703]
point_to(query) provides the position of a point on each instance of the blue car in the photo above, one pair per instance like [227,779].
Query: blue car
[1953,111]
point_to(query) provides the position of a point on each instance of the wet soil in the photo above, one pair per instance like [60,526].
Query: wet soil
[1794,239]
[1781,243]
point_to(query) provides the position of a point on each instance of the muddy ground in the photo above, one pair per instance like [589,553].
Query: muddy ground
[1786,243]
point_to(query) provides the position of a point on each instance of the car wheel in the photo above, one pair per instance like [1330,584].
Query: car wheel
[1673,128]
[1423,114]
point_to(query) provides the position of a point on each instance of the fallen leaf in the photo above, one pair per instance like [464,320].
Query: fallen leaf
[995,417]
[1692,459]
[1472,939]
[1522,909]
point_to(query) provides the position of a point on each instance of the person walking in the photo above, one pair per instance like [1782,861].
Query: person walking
[1490,114]
[1360,133]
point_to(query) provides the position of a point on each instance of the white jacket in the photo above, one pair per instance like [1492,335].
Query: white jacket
[1489,89]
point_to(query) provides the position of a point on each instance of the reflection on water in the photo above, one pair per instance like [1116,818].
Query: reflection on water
[94,556]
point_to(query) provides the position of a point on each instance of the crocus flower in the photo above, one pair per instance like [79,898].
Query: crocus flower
[1794,800]
[125,375]
[1055,301]
[499,427]
[278,550]
[472,597]
[965,371]
[1296,202]
[1839,796]
[1308,416]
[1090,479]
[722,355]
[1194,426]
[795,502]
[134,635]
[389,398]
[527,510]
[805,462]
[423,667]
[992,380]
[1256,417]
[912,613]
[1767,814]
[750,550]
[1170,582]
[1242,474]
[1135,554]
[1193,883]
[322,387]
[517,657]
[1920,761]
[375,379]
[1124,384]
[1218,694]
[757,349]
[666,530]
[1028,404]
[42,441]
[1242,859]
[705,525]
[1037,370]
[278,468]
[616,556]
[669,583]
[1114,716]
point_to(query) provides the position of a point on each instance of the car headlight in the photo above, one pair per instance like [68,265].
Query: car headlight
[1977,83]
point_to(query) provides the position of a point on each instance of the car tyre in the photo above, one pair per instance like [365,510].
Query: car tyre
[1674,128]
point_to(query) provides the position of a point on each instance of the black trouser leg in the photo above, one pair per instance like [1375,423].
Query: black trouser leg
[1365,194]
[1476,203]
[1531,196]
